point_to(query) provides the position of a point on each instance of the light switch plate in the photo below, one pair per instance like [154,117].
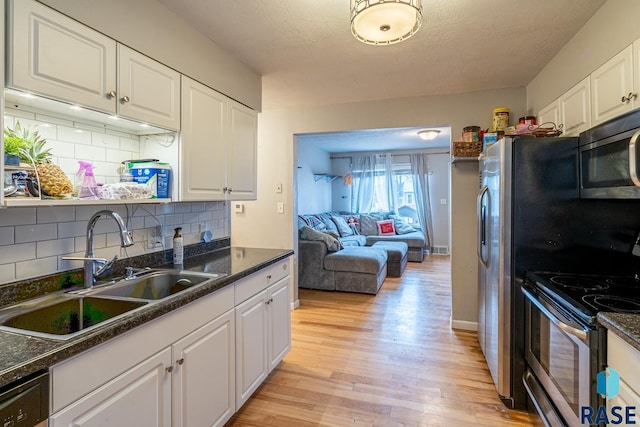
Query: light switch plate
[280,207]
[238,207]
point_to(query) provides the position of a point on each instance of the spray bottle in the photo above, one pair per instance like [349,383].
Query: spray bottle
[89,188]
[178,248]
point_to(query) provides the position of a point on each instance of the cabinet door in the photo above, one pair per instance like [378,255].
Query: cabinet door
[279,322]
[56,56]
[204,375]
[202,164]
[549,114]
[251,346]
[610,86]
[140,397]
[148,91]
[575,109]
[241,156]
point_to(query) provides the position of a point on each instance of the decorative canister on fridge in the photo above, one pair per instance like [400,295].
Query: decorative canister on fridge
[471,134]
[500,119]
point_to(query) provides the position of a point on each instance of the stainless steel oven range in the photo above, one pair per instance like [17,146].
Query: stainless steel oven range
[565,347]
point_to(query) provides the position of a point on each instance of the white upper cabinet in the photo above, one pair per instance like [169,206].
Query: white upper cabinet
[147,90]
[241,155]
[202,161]
[549,114]
[612,90]
[219,146]
[55,56]
[575,108]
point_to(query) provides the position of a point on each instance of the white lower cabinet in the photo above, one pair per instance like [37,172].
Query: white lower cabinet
[204,375]
[139,397]
[192,367]
[625,360]
[263,332]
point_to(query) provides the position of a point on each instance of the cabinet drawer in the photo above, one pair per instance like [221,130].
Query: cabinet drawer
[76,377]
[625,359]
[260,280]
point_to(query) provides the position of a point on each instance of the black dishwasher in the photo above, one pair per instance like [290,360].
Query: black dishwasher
[25,402]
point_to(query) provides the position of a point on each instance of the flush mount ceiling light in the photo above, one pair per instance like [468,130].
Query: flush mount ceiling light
[428,134]
[383,22]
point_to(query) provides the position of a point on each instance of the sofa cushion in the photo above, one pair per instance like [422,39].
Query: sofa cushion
[342,225]
[308,233]
[326,220]
[368,224]
[413,240]
[355,240]
[313,221]
[401,225]
[386,228]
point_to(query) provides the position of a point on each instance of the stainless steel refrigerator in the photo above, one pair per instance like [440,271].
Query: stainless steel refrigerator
[526,184]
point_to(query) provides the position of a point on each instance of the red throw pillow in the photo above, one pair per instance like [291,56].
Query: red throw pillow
[386,227]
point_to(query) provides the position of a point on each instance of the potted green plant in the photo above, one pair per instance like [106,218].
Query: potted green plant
[13,145]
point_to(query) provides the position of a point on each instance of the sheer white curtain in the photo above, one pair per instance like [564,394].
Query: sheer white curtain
[373,185]
[420,172]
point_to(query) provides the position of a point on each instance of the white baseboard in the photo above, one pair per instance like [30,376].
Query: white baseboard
[464,325]
[295,304]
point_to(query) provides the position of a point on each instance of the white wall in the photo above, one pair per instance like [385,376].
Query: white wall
[316,195]
[611,29]
[262,226]
[439,189]
[151,28]
[340,193]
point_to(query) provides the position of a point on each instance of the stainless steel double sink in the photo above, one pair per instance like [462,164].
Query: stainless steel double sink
[63,315]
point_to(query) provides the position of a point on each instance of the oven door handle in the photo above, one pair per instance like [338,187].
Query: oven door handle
[633,159]
[578,333]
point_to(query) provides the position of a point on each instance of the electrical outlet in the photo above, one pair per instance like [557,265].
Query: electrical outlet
[155,237]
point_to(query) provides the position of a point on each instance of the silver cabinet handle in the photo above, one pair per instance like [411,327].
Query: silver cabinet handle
[180,361]
[633,159]
[230,189]
[125,99]
[169,369]
[112,94]
[629,97]
[578,333]
[269,277]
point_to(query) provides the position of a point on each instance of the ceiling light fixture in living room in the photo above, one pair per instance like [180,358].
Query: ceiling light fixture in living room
[384,22]
[428,134]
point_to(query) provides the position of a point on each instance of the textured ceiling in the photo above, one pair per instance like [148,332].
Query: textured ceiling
[307,56]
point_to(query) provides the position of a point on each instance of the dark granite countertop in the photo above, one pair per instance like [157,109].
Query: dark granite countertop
[625,325]
[23,355]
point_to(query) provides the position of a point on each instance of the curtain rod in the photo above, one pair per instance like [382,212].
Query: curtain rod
[392,155]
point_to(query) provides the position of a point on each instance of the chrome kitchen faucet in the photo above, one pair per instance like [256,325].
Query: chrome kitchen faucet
[94,267]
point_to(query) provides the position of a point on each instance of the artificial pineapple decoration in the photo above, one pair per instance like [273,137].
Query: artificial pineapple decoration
[53,181]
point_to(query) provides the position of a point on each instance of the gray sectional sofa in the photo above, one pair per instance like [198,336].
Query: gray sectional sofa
[358,267]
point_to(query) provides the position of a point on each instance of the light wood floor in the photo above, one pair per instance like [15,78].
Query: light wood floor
[384,360]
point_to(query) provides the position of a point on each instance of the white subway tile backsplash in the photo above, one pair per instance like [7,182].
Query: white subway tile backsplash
[130,144]
[7,273]
[7,235]
[174,219]
[17,216]
[71,229]
[90,153]
[48,248]
[105,140]
[182,207]
[35,233]
[56,214]
[75,135]
[29,269]
[34,240]
[17,252]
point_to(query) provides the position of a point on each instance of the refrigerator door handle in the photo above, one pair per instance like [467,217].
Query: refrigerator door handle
[633,159]
[482,224]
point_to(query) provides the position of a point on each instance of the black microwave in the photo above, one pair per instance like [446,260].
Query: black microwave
[609,159]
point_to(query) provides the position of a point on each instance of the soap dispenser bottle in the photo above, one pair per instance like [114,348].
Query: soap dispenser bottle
[178,248]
